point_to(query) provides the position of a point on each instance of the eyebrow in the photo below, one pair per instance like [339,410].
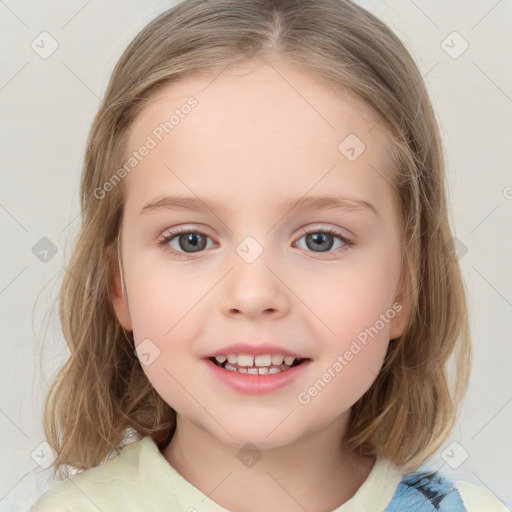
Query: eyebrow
[182,202]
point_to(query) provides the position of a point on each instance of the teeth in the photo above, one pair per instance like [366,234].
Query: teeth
[277,360]
[245,360]
[254,371]
[261,364]
[259,361]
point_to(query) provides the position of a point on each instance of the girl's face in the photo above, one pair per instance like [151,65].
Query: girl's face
[251,142]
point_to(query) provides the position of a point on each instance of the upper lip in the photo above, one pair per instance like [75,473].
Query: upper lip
[254,350]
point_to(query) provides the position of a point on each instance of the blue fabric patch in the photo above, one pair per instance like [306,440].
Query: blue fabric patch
[426,491]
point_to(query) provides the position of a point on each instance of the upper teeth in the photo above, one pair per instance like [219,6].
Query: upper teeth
[261,360]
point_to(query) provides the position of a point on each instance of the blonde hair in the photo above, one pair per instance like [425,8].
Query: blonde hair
[102,391]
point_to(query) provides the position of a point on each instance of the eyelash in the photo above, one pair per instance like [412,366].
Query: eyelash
[304,231]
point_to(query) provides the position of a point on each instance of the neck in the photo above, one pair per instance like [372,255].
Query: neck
[316,472]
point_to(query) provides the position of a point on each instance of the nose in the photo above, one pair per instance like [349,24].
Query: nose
[254,290]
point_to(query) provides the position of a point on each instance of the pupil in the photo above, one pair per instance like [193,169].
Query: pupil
[191,239]
[319,237]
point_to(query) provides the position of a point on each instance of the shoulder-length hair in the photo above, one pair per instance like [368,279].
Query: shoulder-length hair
[102,391]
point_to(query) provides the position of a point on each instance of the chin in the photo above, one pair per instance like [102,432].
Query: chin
[261,434]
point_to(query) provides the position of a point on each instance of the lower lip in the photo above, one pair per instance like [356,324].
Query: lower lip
[256,384]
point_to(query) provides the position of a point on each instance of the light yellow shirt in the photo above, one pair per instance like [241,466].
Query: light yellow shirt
[139,479]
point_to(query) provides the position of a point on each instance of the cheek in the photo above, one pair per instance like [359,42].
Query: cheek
[164,321]
[357,307]
[160,300]
[164,326]
[352,358]
[353,297]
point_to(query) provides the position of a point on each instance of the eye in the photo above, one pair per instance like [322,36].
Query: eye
[196,241]
[324,239]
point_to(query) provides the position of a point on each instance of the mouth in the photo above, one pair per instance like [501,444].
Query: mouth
[260,364]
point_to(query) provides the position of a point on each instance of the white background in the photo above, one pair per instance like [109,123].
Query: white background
[47,106]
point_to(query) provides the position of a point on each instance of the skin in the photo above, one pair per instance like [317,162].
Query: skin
[254,140]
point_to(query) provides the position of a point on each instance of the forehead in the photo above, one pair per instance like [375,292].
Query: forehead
[254,130]
[253,89]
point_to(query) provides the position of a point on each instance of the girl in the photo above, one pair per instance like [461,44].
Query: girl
[257,369]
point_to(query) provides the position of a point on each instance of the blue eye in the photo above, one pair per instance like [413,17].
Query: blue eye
[196,241]
[317,238]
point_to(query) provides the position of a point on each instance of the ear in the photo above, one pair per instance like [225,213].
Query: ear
[402,307]
[116,292]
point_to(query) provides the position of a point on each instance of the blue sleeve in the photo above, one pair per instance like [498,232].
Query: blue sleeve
[424,491]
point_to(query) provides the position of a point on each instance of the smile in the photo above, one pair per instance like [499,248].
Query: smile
[261,364]
[256,375]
